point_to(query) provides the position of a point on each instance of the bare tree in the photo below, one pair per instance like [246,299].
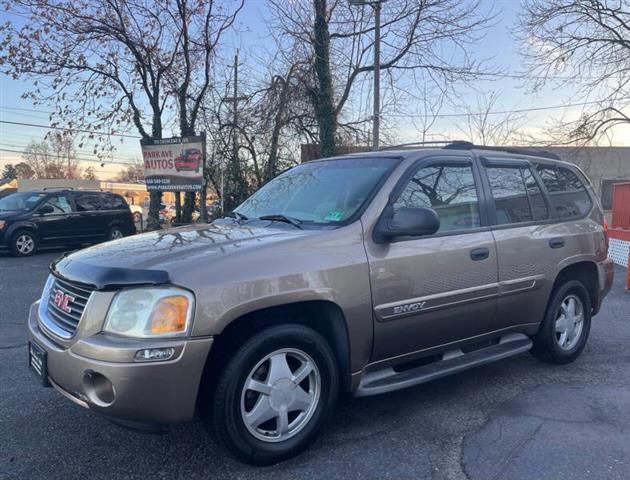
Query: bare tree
[133,173]
[199,26]
[101,64]
[428,37]
[484,126]
[53,157]
[583,44]
[89,174]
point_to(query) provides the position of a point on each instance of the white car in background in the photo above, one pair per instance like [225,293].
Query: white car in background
[137,212]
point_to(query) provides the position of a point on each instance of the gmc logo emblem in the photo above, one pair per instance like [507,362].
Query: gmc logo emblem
[62,299]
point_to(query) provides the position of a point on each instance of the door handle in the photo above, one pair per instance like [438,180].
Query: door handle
[557,242]
[479,254]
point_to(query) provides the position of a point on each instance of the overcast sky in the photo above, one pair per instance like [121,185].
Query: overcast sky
[498,45]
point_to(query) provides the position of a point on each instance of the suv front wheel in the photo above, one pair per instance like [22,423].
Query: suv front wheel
[275,394]
[565,328]
[23,243]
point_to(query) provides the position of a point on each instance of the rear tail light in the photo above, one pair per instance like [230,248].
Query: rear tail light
[605,226]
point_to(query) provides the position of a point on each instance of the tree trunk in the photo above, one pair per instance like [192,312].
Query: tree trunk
[323,97]
[155,198]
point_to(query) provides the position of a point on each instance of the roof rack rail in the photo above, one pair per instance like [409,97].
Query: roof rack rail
[466,145]
[516,150]
[57,188]
[447,144]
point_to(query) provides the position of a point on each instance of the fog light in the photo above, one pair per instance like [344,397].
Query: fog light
[149,354]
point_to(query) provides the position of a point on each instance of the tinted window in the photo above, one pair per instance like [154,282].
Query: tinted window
[517,197]
[59,203]
[21,201]
[449,190]
[567,191]
[86,202]
[113,202]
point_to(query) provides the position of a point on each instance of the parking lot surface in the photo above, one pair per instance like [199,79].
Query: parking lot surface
[516,419]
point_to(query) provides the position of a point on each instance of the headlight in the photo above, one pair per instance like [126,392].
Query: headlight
[150,312]
[2,224]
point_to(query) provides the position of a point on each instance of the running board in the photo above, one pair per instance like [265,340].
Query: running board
[453,361]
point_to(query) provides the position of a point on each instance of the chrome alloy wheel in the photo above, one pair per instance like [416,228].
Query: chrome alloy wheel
[570,322]
[280,395]
[116,234]
[24,244]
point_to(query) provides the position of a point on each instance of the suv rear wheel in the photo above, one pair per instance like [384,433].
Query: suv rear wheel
[115,233]
[565,328]
[23,243]
[276,394]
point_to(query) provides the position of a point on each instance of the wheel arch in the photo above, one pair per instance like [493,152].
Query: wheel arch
[323,316]
[586,272]
[21,226]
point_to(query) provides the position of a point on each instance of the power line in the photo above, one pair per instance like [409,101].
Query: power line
[49,127]
[521,110]
[83,159]
[131,158]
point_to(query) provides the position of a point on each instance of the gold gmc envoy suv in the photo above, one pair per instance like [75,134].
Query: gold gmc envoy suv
[364,273]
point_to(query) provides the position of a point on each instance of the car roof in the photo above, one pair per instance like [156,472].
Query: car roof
[68,190]
[417,151]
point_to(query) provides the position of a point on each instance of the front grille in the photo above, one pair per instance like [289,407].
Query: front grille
[66,303]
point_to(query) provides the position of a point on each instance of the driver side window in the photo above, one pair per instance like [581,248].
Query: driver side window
[449,190]
[59,204]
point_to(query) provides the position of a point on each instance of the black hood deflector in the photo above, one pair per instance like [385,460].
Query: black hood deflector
[106,278]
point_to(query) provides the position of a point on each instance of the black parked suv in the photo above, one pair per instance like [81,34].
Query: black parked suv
[62,217]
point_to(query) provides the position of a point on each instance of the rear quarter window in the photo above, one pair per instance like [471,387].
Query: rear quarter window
[568,193]
[113,202]
[87,202]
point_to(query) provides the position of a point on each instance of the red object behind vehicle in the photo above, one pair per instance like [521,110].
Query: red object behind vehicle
[621,205]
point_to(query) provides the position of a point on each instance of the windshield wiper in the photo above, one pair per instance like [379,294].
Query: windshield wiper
[237,215]
[278,217]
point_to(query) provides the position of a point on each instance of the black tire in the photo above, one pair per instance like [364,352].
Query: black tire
[226,419]
[17,240]
[115,233]
[546,342]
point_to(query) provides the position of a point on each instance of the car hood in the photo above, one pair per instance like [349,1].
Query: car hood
[8,214]
[147,258]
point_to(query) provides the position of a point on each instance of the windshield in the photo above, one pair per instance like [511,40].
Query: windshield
[21,202]
[324,192]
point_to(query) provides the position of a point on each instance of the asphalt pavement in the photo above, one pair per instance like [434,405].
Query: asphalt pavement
[515,419]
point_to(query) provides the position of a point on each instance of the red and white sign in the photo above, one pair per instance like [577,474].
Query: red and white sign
[174,164]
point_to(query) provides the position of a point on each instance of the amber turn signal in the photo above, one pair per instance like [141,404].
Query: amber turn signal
[169,315]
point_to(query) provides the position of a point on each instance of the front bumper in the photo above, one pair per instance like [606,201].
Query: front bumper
[97,372]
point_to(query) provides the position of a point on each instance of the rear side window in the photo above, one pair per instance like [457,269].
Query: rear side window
[449,190]
[567,191]
[86,202]
[517,196]
[113,202]
[59,203]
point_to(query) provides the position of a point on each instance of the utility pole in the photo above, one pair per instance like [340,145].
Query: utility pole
[376,115]
[235,177]
[377,76]
[235,112]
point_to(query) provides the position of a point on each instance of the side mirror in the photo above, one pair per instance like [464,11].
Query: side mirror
[408,222]
[46,209]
